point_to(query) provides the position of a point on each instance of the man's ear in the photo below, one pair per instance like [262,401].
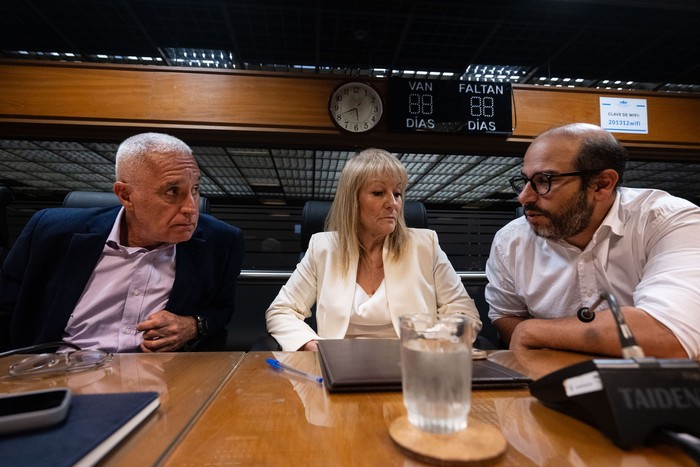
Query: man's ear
[123,192]
[604,183]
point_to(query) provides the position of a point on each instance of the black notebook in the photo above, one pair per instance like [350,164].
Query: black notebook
[95,424]
[355,365]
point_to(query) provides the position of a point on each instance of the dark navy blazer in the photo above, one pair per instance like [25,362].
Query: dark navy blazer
[47,268]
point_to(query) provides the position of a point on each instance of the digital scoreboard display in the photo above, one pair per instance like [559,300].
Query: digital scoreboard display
[445,106]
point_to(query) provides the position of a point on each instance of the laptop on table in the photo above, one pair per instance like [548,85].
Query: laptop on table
[357,365]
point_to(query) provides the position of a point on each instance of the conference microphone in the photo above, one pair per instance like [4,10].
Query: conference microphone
[630,349]
[635,400]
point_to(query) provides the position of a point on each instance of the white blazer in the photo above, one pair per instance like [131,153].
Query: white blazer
[423,282]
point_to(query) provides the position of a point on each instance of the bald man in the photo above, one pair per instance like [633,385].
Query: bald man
[582,235]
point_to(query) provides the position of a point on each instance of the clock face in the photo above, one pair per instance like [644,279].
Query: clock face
[355,107]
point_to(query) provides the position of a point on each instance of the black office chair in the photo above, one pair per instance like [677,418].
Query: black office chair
[6,198]
[313,218]
[100,199]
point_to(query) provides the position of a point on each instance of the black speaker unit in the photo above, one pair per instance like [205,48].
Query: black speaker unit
[628,400]
[635,400]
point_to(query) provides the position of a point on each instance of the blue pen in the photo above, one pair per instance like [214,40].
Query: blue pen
[276,364]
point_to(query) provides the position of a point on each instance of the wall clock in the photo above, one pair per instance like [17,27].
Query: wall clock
[355,107]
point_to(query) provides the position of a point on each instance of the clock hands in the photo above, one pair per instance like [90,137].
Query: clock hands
[355,107]
[357,114]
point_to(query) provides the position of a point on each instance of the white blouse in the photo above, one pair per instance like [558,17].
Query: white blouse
[370,316]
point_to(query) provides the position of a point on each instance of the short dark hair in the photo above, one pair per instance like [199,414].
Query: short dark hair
[599,150]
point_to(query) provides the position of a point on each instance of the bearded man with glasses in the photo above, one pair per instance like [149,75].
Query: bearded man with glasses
[581,235]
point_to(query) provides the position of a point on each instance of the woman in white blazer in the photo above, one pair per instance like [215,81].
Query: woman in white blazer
[368,268]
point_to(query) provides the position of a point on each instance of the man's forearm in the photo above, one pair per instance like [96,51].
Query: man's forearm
[506,325]
[599,336]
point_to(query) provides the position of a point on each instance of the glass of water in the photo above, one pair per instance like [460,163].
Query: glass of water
[436,371]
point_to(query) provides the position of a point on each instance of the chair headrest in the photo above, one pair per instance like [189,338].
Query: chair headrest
[103,199]
[313,218]
[90,199]
[6,196]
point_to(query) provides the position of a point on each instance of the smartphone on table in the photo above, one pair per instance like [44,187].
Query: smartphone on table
[24,411]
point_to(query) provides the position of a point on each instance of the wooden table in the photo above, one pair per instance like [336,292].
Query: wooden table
[262,417]
[187,382]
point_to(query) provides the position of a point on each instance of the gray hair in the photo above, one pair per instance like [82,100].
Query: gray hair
[133,152]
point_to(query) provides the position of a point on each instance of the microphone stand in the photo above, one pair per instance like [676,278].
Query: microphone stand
[630,349]
[634,400]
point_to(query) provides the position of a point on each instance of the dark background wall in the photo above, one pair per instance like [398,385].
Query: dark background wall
[273,241]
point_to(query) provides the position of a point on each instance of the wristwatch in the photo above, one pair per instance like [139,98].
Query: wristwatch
[202,326]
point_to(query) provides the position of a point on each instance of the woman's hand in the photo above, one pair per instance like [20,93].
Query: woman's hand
[310,346]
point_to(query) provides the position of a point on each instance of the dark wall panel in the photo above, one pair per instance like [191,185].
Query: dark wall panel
[273,241]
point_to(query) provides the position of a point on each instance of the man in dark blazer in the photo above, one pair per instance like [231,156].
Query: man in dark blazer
[58,269]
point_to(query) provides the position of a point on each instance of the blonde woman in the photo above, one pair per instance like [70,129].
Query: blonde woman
[367,269]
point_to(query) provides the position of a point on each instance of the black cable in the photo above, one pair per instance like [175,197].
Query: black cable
[689,443]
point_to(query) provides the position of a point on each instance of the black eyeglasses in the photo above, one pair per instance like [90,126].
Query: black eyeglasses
[541,182]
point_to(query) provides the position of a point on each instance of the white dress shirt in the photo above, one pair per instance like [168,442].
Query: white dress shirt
[646,253]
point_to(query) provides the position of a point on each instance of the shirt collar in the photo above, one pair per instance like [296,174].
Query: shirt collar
[612,219]
[113,240]
[611,223]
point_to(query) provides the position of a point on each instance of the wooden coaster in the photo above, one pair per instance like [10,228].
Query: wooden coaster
[479,441]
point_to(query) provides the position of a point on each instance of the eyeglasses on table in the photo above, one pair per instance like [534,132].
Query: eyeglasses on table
[58,362]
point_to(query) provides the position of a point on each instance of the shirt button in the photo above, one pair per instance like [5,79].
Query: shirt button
[137,292]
